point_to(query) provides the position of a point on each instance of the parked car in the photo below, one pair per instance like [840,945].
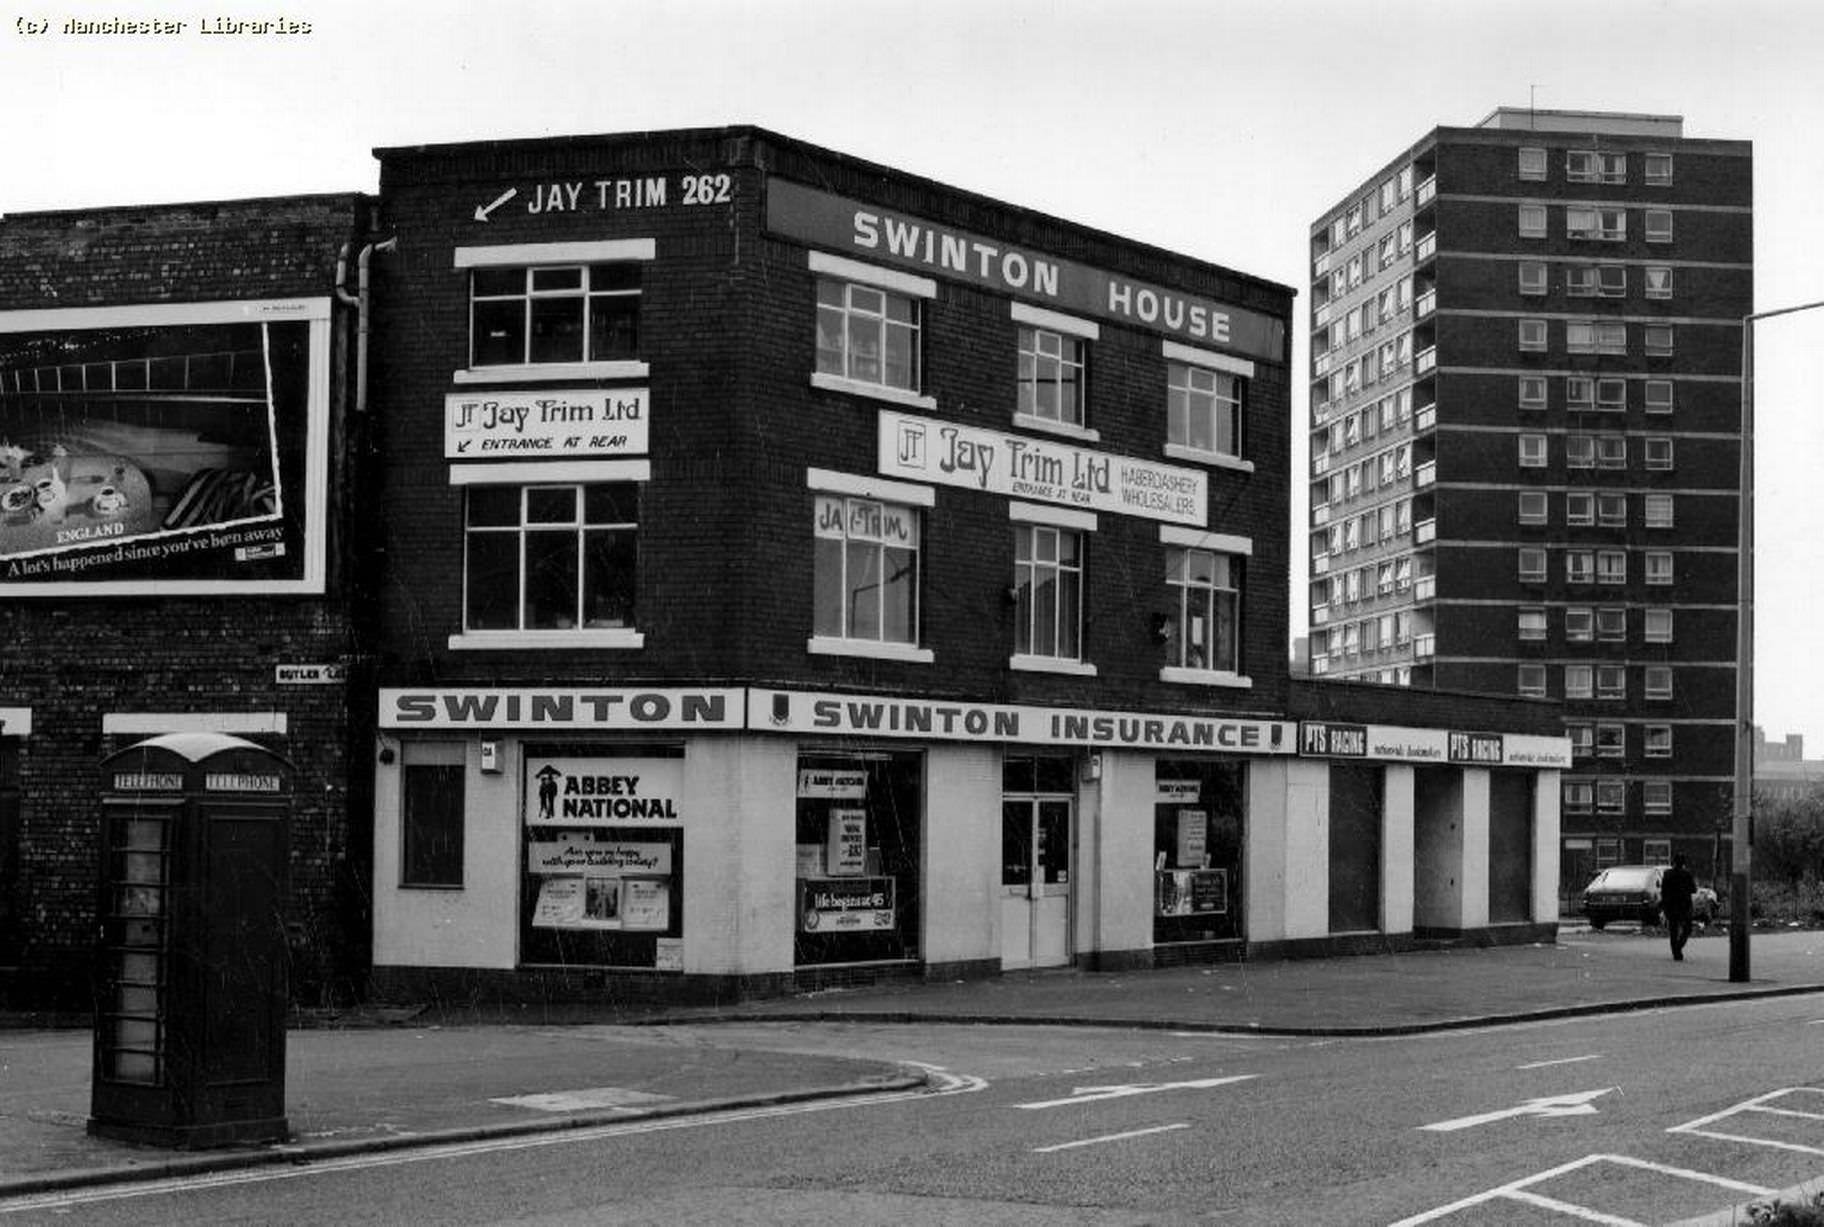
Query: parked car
[1623,892]
[1631,892]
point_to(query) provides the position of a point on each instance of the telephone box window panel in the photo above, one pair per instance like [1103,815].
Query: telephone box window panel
[164,449]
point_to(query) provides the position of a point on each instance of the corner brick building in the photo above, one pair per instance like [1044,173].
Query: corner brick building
[796,569]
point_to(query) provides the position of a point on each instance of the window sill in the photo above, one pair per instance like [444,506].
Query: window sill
[587,637]
[1050,664]
[1215,460]
[553,371]
[874,391]
[1205,677]
[820,645]
[1069,430]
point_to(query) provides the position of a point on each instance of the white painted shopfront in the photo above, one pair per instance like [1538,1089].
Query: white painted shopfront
[753,833]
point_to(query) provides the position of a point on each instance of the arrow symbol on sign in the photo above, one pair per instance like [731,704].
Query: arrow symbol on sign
[1091,1094]
[482,211]
[1551,1105]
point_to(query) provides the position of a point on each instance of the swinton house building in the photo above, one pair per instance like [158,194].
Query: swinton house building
[743,567]
[1525,429]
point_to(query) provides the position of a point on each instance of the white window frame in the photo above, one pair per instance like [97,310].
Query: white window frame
[1532,336]
[1657,226]
[1534,451]
[1579,508]
[1656,796]
[1657,510]
[1579,624]
[1656,682]
[1611,624]
[1532,568]
[1533,279]
[1534,507]
[1596,223]
[917,498]
[1039,523]
[1530,681]
[1532,164]
[1533,392]
[1657,340]
[531,256]
[917,291]
[1658,566]
[1579,681]
[1531,623]
[1184,542]
[1532,221]
[1657,395]
[1227,393]
[1656,169]
[1657,280]
[1656,453]
[1658,624]
[523,477]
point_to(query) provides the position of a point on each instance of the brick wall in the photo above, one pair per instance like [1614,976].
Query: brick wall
[72,660]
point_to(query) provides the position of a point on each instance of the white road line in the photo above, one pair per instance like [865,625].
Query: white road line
[303,1165]
[1571,1208]
[1518,1190]
[1093,1094]
[1562,1061]
[1112,1137]
[1700,1126]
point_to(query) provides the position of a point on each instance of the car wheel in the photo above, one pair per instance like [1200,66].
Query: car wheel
[1597,925]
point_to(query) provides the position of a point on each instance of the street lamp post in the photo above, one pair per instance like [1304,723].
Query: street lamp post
[1741,834]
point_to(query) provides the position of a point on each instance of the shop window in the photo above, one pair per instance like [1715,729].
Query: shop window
[858,854]
[554,314]
[1203,630]
[1198,825]
[1355,848]
[431,815]
[1051,376]
[868,334]
[1048,587]
[1203,409]
[604,857]
[866,585]
[551,558]
[1510,863]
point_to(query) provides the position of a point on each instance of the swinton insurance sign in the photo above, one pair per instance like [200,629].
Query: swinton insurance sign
[926,450]
[866,232]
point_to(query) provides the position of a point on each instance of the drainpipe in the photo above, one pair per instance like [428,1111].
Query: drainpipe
[360,302]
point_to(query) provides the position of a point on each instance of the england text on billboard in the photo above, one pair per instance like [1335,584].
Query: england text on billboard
[864,230]
[561,708]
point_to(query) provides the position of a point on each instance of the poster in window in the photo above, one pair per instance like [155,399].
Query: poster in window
[645,904]
[177,445]
[560,903]
[846,853]
[1193,838]
[1190,892]
[602,901]
[846,905]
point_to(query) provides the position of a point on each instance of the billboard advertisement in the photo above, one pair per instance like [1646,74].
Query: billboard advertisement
[164,449]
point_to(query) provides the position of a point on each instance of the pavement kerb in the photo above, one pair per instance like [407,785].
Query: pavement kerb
[305,1153]
[1459,1023]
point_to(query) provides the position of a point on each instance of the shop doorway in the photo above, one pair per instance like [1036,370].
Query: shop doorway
[1038,803]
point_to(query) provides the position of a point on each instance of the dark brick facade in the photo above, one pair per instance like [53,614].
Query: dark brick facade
[727,326]
[71,660]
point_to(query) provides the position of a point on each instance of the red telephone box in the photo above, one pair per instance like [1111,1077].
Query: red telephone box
[190,988]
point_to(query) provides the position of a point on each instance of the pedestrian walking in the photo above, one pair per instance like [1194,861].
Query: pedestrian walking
[1675,891]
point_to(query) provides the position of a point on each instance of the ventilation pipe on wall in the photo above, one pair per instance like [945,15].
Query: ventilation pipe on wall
[359,301]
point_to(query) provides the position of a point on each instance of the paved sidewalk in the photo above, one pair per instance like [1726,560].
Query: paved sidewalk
[434,1076]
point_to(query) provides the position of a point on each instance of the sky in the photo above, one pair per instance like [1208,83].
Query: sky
[1216,128]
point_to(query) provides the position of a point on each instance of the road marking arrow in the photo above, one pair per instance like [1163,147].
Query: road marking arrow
[482,211]
[1551,1105]
[1092,1094]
